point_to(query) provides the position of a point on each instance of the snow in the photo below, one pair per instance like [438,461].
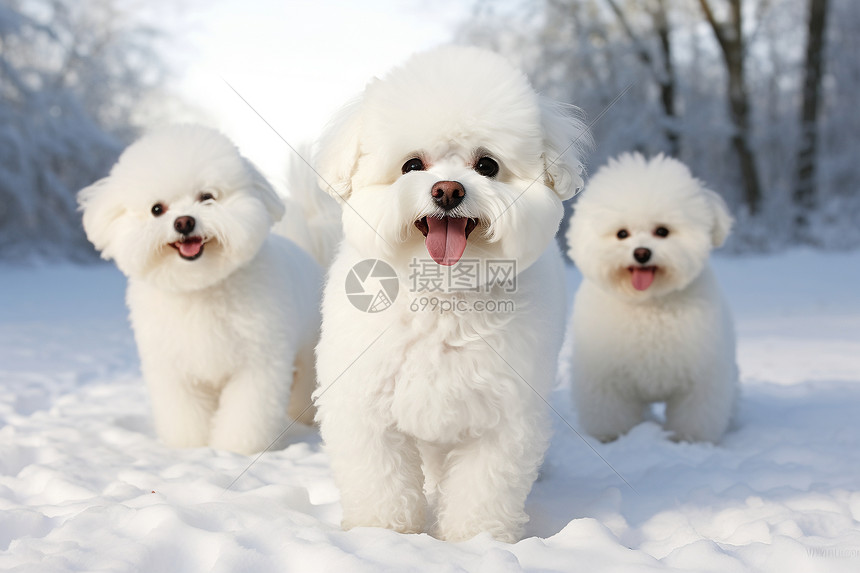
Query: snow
[85,486]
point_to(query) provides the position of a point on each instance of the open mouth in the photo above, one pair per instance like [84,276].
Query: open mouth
[642,277]
[190,248]
[446,237]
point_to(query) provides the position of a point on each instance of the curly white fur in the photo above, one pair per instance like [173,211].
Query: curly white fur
[671,341]
[222,337]
[423,409]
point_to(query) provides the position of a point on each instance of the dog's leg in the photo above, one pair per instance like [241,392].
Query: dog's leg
[432,464]
[182,411]
[378,472]
[252,410]
[488,479]
[301,406]
[605,413]
[703,413]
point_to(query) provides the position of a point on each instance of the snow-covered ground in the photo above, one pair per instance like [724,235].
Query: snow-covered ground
[84,485]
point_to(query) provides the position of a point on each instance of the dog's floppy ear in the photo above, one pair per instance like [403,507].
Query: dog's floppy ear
[566,139]
[101,214]
[339,150]
[722,218]
[265,192]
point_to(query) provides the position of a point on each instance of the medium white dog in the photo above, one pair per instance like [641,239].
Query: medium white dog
[225,315]
[649,322]
[452,172]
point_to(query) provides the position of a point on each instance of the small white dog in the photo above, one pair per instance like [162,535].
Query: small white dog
[450,166]
[225,315]
[649,322]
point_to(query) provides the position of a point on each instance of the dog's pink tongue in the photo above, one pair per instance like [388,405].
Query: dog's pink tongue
[190,248]
[642,278]
[446,239]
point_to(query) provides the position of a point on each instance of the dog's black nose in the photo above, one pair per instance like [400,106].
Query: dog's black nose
[184,224]
[642,255]
[448,194]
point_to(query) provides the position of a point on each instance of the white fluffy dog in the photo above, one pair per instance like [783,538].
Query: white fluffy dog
[649,322]
[225,315]
[446,167]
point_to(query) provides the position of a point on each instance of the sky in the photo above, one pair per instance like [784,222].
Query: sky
[295,62]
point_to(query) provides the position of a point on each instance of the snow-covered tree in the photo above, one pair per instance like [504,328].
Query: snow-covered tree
[70,79]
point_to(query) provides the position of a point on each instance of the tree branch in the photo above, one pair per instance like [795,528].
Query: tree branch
[717,26]
[641,50]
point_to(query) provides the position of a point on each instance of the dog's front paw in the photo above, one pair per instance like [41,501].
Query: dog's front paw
[464,531]
[175,431]
[406,522]
[244,439]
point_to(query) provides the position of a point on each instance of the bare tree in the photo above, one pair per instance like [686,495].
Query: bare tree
[731,74]
[804,191]
[662,72]
[668,87]
[730,37]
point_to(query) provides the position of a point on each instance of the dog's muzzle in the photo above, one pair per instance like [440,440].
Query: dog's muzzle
[445,237]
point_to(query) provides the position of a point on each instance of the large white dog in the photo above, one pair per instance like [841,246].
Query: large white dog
[452,172]
[649,322]
[226,315]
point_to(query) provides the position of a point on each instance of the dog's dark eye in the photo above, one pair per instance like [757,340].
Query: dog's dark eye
[487,167]
[158,210]
[414,164]
[661,232]
[622,234]
[206,197]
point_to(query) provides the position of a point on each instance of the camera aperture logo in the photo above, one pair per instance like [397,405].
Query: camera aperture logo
[372,285]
